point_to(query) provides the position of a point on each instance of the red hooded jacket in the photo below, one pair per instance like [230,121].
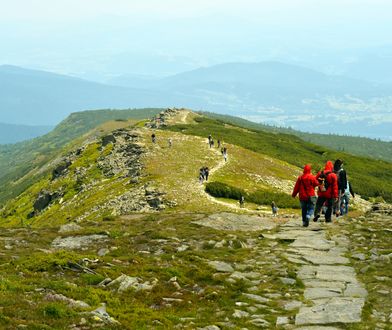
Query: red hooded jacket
[332,191]
[305,185]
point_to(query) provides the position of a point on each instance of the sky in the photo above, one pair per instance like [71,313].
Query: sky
[100,38]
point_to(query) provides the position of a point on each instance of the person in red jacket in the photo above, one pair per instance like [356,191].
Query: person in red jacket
[327,192]
[305,188]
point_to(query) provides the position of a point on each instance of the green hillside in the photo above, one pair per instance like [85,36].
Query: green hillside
[355,145]
[18,160]
[369,177]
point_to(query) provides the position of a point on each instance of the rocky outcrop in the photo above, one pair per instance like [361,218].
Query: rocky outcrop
[382,208]
[161,119]
[124,159]
[61,169]
[44,199]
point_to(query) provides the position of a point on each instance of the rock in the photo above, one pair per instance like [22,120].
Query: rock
[221,266]
[355,290]
[210,327]
[292,305]
[288,281]
[71,302]
[237,222]
[108,139]
[282,320]
[61,169]
[317,293]
[256,298]
[359,256]
[44,199]
[101,314]
[238,314]
[77,242]
[69,228]
[182,248]
[335,310]
[103,252]
[259,322]
[125,282]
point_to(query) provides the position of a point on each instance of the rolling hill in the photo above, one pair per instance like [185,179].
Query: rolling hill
[10,133]
[106,219]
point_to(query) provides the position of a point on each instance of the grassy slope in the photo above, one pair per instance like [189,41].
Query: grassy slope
[369,177]
[360,146]
[20,160]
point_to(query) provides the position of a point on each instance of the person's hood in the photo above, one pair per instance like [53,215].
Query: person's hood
[307,169]
[328,166]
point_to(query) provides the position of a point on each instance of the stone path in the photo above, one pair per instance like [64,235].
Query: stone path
[331,287]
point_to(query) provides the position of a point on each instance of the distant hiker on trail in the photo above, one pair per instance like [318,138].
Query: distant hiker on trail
[345,198]
[242,201]
[342,183]
[274,209]
[211,143]
[170,142]
[305,187]
[327,191]
[225,153]
[201,175]
[209,139]
[153,138]
[222,149]
[206,173]
[219,144]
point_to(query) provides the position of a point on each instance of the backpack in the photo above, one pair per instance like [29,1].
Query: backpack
[324,184]
[342,179]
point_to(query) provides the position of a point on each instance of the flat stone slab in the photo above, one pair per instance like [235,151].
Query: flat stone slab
[221,266]
[77,242]
[328,273]
[317,293]
[317,328]
[335,310]
[237,222]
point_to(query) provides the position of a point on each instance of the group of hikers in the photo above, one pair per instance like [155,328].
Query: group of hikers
[223,149]
[333,192]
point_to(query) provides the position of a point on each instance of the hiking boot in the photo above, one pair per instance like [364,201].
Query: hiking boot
[316,217]
[328,220]
[305,224]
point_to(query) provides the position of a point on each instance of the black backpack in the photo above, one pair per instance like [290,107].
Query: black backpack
[324,184]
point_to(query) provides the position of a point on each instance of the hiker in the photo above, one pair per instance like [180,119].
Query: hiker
[222,149]
[206,173]
[225,153]
[201,175]
[219,144]
[305,188]
[153,138]
[345,198]
[342,183]
[209,139]
[211,143]
[170,142]
[242,201]
[327,192]
[274,209]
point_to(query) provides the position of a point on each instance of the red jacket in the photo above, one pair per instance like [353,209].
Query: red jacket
[305,185]
[332,191]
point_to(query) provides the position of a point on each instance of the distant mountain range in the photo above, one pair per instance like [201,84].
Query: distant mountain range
[11,133]
[270,92]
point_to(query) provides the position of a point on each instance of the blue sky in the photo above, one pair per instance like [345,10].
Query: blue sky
[84,37]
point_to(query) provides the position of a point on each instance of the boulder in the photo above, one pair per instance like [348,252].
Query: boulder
[108,139]
[61,169]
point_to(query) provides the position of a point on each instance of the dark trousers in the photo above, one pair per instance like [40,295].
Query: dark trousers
[319,204]
[307,210]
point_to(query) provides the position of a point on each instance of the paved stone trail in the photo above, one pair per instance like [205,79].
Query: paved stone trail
[331,285]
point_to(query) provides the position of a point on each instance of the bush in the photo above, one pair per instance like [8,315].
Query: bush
[261,197]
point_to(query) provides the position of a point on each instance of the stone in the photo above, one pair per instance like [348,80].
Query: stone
[43,200]
[221,266]
[101,314]
[210,327]
[335,310]
[69,301]
[317,293]
[103,252]
[108,139]
[259,322]
[238,314]
[359,256]
[282,320]
[256,298]
[69,227]
[61,169]
[292,305]
[288,281]
[77,242]
[355,290]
